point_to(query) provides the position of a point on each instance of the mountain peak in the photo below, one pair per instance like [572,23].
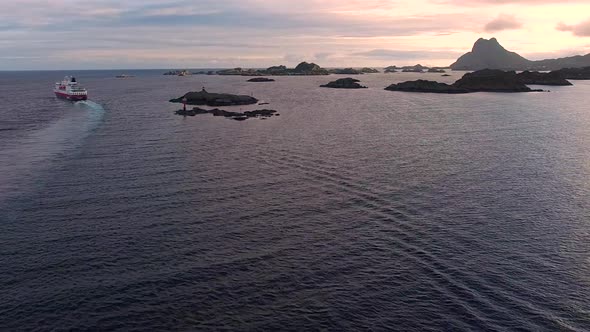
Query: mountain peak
[488,53]
[485,45]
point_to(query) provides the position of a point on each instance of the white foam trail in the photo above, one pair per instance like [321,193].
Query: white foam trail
[22,160]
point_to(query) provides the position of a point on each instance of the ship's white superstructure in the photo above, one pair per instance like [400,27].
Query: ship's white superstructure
[70,89]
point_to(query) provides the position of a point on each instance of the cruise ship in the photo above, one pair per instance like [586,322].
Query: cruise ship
[70,90]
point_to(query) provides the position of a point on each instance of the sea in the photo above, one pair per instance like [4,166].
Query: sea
[354,210]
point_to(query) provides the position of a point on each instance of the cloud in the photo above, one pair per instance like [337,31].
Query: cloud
[505,2]
[503,22]
[260,33]
[580,30]
[387,54]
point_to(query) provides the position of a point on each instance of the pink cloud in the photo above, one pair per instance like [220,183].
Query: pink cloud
[580,30]
[503,22]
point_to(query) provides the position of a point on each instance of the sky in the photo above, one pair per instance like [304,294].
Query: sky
[129,34]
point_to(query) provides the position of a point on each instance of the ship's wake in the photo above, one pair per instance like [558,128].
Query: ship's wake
[23,160]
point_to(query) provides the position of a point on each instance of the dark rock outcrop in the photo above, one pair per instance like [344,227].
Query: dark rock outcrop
[215,99]
[261,79]
[239,116]
[573,73]
[426,86]
[436,70]
[536,78]
[492,80]
[490,54]
[344,83]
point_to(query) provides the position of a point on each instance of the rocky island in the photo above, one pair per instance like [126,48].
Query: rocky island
[537,78]
[345,71]
[436,70]
[214,99]
[414,69]
[425,86]
[574,73]
[305,68]
[261,79]
[390,69]
[239,72]
[487,80]
[344,83]
[492,80]
[368,70]
[302,69]
[177,73]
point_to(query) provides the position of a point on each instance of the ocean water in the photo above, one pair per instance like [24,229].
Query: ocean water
[353,210]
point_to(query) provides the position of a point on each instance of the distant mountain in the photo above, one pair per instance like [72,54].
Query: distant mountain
[577,61]
[491,55]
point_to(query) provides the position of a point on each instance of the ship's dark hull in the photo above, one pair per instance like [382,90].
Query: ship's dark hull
[71,97]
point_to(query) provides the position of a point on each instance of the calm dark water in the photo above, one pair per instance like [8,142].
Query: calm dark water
[353,210]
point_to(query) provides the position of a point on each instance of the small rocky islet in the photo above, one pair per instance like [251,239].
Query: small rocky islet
[214,99]
[261,79]
[204,97]
[344,83]
[238,116]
